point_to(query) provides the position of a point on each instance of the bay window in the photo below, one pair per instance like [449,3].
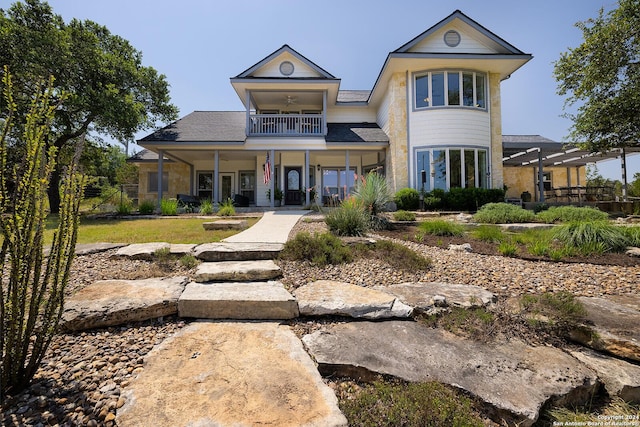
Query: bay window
[454,167]
[450,88]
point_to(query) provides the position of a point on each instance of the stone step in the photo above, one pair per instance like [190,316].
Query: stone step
[237,271]
[226,224]
[237,300]
[230,374]
[222,251]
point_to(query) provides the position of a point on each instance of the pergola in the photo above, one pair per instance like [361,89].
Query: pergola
[537,151]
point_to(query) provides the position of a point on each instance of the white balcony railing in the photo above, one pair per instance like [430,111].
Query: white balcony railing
[286,124]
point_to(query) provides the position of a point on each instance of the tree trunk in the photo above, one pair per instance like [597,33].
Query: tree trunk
[54,191]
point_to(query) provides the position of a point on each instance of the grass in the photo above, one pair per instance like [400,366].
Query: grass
[409,404]
[404,216]
[319,249]
[398,256]
[441,227]
[617,411]
[596,236]
[488,233]
[171,230]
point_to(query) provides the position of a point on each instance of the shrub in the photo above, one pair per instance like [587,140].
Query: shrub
[469,199]
[441,227]
[373,195]
[595,234]
[410,405]
[124,208]
[407,199]
[404,216]
[32,283]
[571,214]
[633,235]
[206,207]
[349,219]
[319,249]
[146,207]
[432,203]
[503,213]
[488,233]
[226,208]
[169,207]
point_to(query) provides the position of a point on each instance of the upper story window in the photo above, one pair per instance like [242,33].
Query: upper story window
[451,89]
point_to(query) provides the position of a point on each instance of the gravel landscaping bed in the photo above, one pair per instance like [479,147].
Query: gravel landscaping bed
[82,374]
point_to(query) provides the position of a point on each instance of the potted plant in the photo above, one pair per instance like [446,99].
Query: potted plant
[277,196]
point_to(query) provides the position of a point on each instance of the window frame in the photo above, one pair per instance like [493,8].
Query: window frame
[427,102]
[438,156]
[152,181]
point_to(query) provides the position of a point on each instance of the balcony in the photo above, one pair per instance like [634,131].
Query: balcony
[286,125]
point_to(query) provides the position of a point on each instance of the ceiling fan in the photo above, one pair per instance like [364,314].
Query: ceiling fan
[290,100]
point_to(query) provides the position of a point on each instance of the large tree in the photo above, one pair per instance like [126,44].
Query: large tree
[110,91]
[601,79]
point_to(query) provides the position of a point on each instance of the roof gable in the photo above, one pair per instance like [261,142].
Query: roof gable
[270,67]
[474,38]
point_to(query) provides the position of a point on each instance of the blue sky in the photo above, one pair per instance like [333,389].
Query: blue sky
[200,44]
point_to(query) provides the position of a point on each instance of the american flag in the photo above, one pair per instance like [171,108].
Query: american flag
[267,170]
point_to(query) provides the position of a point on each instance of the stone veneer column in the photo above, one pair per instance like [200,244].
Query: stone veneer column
[497,173]
[398,161]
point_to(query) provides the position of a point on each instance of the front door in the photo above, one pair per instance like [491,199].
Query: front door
[293,185]
[227,189]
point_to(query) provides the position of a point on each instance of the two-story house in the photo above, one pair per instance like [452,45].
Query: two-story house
[431,120]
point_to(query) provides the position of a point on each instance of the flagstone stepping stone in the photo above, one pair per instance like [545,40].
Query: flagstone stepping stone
[613,326]
[141,251]
[179,249]
[237,271]
[237,300]
[226,224]
[93,248]
[230,374]
[514,380]
[424,296]
[620,378]
[222,251]
[116,302]
[328,297]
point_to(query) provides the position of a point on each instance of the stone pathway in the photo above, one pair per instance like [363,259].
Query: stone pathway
[249,369]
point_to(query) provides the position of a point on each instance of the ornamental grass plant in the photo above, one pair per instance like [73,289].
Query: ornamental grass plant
[503,213]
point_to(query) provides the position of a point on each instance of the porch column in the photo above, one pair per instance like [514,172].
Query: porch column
[305,178]
[216,172]
[248,114]
[272,186]
[191,180]
[160,172]
[346,174]
[540,176]
[324,112]
[623,162]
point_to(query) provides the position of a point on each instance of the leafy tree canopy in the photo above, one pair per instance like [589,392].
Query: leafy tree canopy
[601,77]
[110,91]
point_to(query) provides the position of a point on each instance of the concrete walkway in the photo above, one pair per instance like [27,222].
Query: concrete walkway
[273,227]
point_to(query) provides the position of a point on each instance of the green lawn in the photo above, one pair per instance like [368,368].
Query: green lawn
[164,229]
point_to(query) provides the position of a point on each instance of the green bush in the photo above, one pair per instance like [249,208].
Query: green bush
[488,233]
[206,207]
[441,227]
[571,214]
[349,219]
[169,207]
[226,208]
[146,207]
[503,213]
[407,199]
[319,249]
[410,405]
[594,235]
[432,203]
[633,235]
[404,216]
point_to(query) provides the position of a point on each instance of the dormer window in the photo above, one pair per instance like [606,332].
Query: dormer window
[450,89]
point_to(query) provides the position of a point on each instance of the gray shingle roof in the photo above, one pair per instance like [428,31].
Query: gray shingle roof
[203,126]
[355,132]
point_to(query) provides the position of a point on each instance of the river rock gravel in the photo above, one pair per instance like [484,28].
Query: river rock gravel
[81,376]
